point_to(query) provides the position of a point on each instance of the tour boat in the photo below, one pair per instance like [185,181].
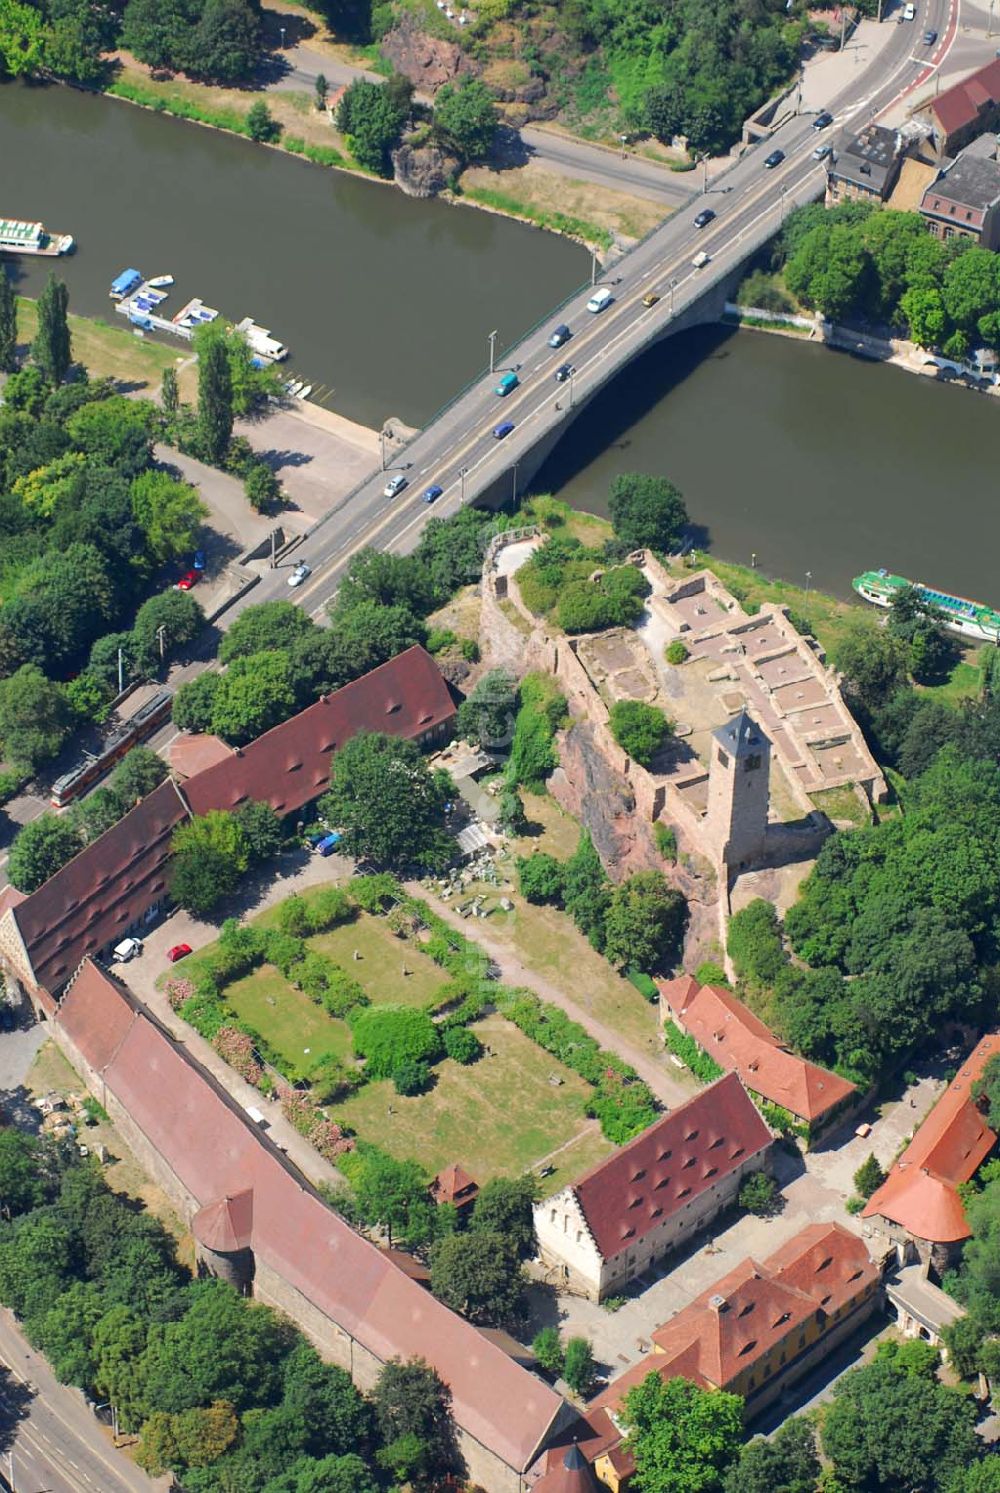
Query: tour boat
[957,613]
[18,237]
[260,341]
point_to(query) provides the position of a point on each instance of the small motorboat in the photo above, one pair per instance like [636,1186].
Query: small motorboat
[305,391]
[159,280]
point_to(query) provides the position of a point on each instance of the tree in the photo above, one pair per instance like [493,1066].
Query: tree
[270,624]
[22,1180]
[465,118]
[163,624]
[95,814]
[254,694]
[194,703]
[978,1477]
[639,729]
[390,580]
[215,402]
[505,1207]
[261,828]
[158,31]
[547,1349]
[35,717]
[682,1437]
[8,324]
[322,89]
[336,1417]
[411,1400]
[115,431]
[586,890]
[369,634]
[579,1368]
[387,802]
[645,922]
[331,1474]
[225,45]
[390,1194]
[169,393]
[138,773]
[22,39]
[922,308]
[647,512]
[892,1425]
[370,117]
[480,1276]
[261,123]
[262,488]
[786,1464]
[759,1195]
[39,849]
[540,877]
[871,659]
[487,716]
[868,1177]
[51,347]
[168,512]
[389,1035]
[210,854]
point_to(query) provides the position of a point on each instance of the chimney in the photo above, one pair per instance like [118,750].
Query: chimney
[717,1303]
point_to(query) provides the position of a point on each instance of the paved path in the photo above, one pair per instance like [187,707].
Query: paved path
[670,1091]
[57,1445]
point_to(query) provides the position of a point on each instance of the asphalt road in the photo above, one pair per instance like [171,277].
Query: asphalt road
[57,1445]
[750,202]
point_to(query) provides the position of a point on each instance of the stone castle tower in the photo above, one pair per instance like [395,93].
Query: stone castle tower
[736,823]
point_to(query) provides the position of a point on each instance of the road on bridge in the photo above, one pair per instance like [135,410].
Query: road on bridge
[457,451]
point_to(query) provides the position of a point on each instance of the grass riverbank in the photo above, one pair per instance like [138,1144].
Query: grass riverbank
[113,351]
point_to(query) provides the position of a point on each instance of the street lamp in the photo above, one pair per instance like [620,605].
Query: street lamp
[704,179]
[282,30]
[593,266]
[493,347]
[624,140]
[463,473]
[672,285]
[809,576]
[381,447]
[572,376]
[784,189]
[514,489]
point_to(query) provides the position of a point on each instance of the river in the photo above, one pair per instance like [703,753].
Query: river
[385,300]
[814,460]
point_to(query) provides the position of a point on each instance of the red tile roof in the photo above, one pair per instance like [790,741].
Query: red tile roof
[690,1150]
[97,895]
[962,104]
[225,1226]
[454,1185]
[289,766]
[920,1192]
[216,1152]
[569,1472]
[739,1042]
[189,755]
[743,1316]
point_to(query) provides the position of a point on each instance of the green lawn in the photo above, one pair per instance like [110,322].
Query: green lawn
[383,958]
[500,1115]
[841,804]
[288,1019]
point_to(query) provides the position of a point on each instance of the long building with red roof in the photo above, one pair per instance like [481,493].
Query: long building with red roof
[919,1203]
[243,1198]
[730,1033]
[654,1193]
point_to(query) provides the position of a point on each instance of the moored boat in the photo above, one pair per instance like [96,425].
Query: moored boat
[957,613]
[20,237]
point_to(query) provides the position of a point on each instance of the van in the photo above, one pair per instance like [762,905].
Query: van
[600,300]
[127,949]
[700,259]
[507,384]
[329,844]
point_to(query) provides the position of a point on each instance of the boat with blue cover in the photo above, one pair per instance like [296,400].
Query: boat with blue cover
[957,613]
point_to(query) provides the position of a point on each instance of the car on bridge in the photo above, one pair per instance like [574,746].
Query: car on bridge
[560,334]
[930,37]
[822,120]
[394,485]
[650,298]
[508,383]
[502,431]
[774,159]
[600,300]
[300,574]
[433,493]
[563,372]
[705,217]
[822,151]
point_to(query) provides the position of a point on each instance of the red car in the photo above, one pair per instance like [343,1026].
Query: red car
[188,579]
[179,951]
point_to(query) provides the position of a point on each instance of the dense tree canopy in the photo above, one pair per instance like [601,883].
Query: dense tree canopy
[682,1437]
[387,802]
[647,512]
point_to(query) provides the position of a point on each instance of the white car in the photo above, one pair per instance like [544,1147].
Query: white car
[301,573]
[394,485]
[909,13]
[599,300]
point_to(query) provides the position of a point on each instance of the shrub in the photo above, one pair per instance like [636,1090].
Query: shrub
[342,994]
[579,1369]
[283,950]
[440,638]
[237,1049]
[639,729]
[623,1108]
[312,974]
[329,1139]
[548,1350]
[666,840]
[331,1079]
[376,893]
[329,907]
[675,652]
[645,984]
[207,1016]
[389,1036]
[540,877]
[293,917]
[869,1176]
[690,1054]
[178,991]
[462,1045]
[854,1205]
[710,973]
[411,1077]
[759,1195]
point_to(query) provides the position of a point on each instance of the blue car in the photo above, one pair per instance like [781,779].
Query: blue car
[501,431]
[329,844]
[433,493]
[315,836]
[198,563]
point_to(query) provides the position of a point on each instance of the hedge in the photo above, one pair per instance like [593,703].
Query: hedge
[690,1054]
[645,984]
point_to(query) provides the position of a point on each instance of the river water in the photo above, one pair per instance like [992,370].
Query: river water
[386,300]
[814,460]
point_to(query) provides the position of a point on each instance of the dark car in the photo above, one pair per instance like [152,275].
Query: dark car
[198,563]
[774,159]
[560,335]
[705,217]
[433,493]
[500,432]
[930,37]
[563,372]
[822,120]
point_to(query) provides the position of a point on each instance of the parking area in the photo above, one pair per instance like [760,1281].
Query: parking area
[319,457]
